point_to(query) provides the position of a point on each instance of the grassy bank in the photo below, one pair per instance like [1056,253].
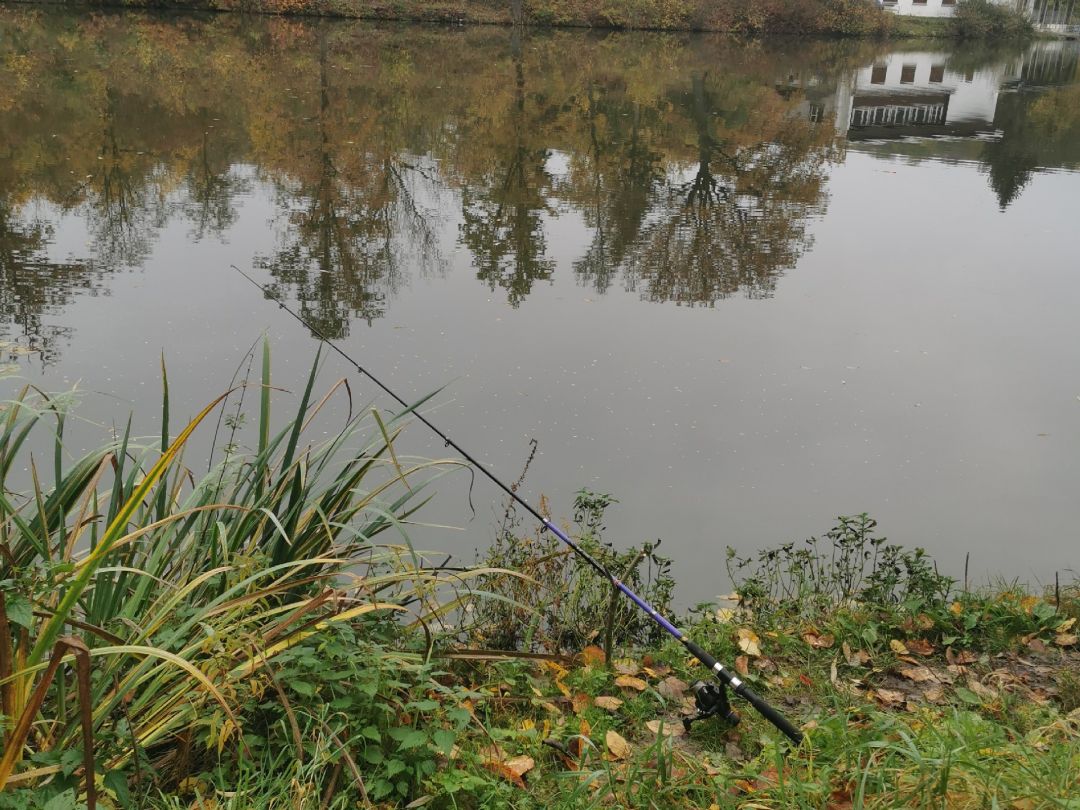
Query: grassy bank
[262,634]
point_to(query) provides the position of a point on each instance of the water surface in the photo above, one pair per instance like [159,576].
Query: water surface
[743,287]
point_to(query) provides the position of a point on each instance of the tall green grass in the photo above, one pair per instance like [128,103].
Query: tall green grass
[196,596]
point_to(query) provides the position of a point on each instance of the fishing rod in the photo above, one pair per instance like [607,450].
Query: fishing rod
[711,699]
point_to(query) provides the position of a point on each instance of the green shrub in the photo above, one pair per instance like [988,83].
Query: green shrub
[983,19]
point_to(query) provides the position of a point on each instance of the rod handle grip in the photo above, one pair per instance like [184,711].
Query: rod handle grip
[769,713]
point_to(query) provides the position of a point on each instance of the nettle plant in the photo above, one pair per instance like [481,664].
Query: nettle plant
[850,565]
[560,604]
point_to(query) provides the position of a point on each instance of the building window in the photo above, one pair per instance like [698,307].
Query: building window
[817,112]
[920,2]
[907,74]
[948,2]
[937,74]
[877,75]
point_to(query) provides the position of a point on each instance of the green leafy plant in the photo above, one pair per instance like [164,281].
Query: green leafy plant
[563,604]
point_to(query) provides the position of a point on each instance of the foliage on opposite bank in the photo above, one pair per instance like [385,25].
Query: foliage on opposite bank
[836,17]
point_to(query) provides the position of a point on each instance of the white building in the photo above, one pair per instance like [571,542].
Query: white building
[917,93]
[921,8]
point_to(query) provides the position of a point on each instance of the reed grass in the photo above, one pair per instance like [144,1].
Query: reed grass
[185,591]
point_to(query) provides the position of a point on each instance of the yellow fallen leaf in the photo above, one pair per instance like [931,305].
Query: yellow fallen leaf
[956,608]
[898,647]
[627,666]
[670,729]
[749,642]
[1066,640]
[630,682]
[608,703]
[617,746]
[1066,625]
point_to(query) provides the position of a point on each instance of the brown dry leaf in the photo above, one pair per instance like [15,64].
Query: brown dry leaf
[630,682]
[1023,804]
[1037,645]
[819,642]
[657,671]
[924,622]
[584,729]
[890,697]
[669,729]
[1065,639]
[833,673]
[742,665]
[579,703]
[520,765]
[672,688]
[1027,604]
[961,658]
[857,658]
[617,746]
[592,656]
[985,692]
[627,666]
[917,674]
[920,646]
[934,693]
[507,773]
[749,642]
[804,679]
[608,703]
[898,647]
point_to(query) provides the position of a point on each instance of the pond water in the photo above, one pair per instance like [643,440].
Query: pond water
[743,287]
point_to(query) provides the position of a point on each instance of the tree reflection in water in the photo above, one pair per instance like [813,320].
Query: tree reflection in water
[691,169]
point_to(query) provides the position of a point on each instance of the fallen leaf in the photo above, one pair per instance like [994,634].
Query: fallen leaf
[669,729]
[520,765]
[956,608]
[579,703]
[890,697]
[960,658]
[985,692]
[1066,625]
[1065,640]
[592,656]
[617,746]
[742,665]
[1037,645]
[672,688]
[934,693]
[630,682]
[804,679]
[924,622]
[819,642]
[608,703]
[898,647]
[920,646]
[627,666]
[749,642]
[1027,604]
[500,769]
[917,674]
[657,671]
[857,658]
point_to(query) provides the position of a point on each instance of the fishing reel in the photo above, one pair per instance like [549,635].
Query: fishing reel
[711,700]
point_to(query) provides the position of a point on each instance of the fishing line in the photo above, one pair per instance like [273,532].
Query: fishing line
[711,701]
